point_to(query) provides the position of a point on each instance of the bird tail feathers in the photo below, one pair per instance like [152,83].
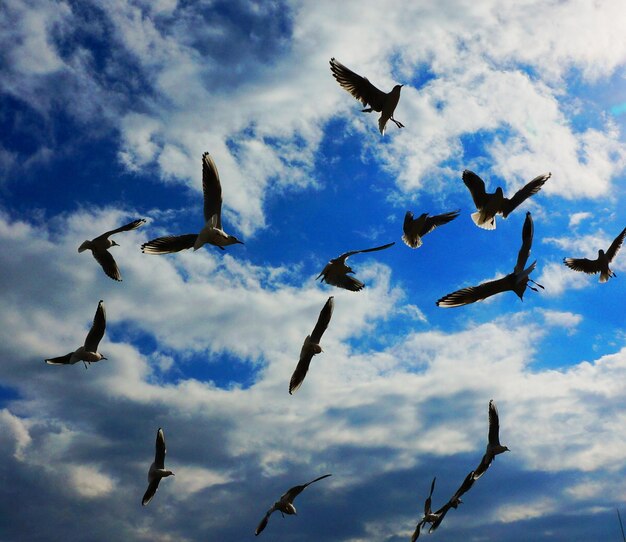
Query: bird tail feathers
[484,224]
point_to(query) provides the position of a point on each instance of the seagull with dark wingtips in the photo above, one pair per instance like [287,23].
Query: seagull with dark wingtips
[87,353]
[212,233]
[493,446]
[429,515]
[601,263]
[337,272]
[415,228]
[285,504]
[454,501]
[100,246]
[491,204]
[311,346]
[383,102]
[157,469]
[517,281]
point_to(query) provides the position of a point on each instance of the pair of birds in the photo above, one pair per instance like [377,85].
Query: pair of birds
[493,448]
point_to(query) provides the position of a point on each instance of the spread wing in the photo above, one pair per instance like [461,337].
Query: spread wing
[126,227]
[306,355]
[293,492]
[61,360]
[152,488]
[484,465]
[346,255]
[347,282]
[416,533]
[435,221]
[476,187]
[323,320]
[212,189]
[159,455]
[441,513]
[527,241]
[263,523]
[583,264]
[169,244]
[465,296]
[615,245]
[358,86]
[464,488]
[97,329]
[428,501]
[524,193]
[106,260]
[494,424]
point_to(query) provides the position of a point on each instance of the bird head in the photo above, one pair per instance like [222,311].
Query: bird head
[114,244]
[233,240]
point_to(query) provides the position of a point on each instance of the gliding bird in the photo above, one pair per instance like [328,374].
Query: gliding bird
[601,263]
[429,516]
[87,353]
[212,233]
[285,504]
[415,228]
[368,94]
[311,346]
[493,446]
[157,468]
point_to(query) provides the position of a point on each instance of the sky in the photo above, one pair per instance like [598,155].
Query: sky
[105,111]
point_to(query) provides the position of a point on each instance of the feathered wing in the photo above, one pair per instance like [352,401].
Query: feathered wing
[97,329]
[293,492]
[410,237]
[441,513]
[169,244]
[346,255]
[61,360]
[476,187]
[347,282]
[524,193]
[108,264]
[301,370]
[428,501]
[416,532]
[159,454]
[583,265]
[126,227]
[527,241]
[152,488]
[615,245]
[465,296]
[212,190]
[358,86]
[464,488]
[483,466]
[263,523]
[435,221]
[323,320]
[494,425]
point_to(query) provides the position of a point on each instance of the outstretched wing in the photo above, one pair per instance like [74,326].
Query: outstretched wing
[524,193]
[97,329]
[583,264]
[108,264]
[476,187]
[435,221]
[152,488]
[483,466]
[169,244]
[212,189]
[441,513]
[615,245]
[323,320]
[306,355]
[126,227]
[358,86]
[428,501]
[346,255]
[159,455]
[263,523]
[464,488]
[61,360]
[465,296]
[527,241]
[494,424]
[293,492]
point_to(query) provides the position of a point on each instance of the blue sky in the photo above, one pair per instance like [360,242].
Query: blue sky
[105,111]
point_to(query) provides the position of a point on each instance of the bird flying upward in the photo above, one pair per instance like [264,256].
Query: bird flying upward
[87,353]
[493,446]
[368,94]
[337,272]
[311,346]
[157,468]
[100,246]
[429,516]
[601,263]
[285,504]
[212,233]
[488,205]
[517,281]
[415,228]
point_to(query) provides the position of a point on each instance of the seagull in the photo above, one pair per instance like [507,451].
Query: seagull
[601,263]
[100,246]
[454,501]
[368,94]
[336,270]
[285,504]
[212,233]
[157,469]
[415,228]
[87,353]
[517,281]
[493,446]
[429,516]
[489,205]
[311,346]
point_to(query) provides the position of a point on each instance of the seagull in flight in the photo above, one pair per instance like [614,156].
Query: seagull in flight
[285,504]
[517,281]
[493,446]
[157,469]
[368,94]
[601,263]
[337,272]
[100,246]
[429,515]
[415,228]
[212,233]
[454,501]
[87,353]
[491,204]
[311,346]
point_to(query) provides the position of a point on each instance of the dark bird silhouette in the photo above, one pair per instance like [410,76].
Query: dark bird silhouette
[601,263]
[493,446]
[491,204]
[429,515]
[212,233]
[454,501]
[87,353]
[311,346]
[157,468]
[415,228]
[285,504]
[100,246]
[383,102]
[337,272]
[517,281]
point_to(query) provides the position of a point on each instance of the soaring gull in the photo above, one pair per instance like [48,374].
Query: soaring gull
[415,228]
[157,469]
[493,446]
[429,515]
[601,263]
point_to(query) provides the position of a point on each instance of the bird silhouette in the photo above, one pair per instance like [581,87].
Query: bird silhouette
[429,515]
[454,501]
[157,468]
[601,263]
[493,446]
[415,228]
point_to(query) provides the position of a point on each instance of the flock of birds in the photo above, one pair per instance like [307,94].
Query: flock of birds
[337,273]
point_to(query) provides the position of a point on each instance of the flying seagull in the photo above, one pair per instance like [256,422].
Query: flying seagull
[517,281]
[368,94]
[336,271]
[489,205]
[311,346]
[601,263]
[454,501]
[429,516]
[212,233]
[100,246]
[157,469]
[493,446]
[89,351]
[415,228]
[285,504]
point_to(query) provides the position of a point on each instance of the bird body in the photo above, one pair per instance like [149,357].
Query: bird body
[157,469]
[415,228]
[493,445]
[601,263]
